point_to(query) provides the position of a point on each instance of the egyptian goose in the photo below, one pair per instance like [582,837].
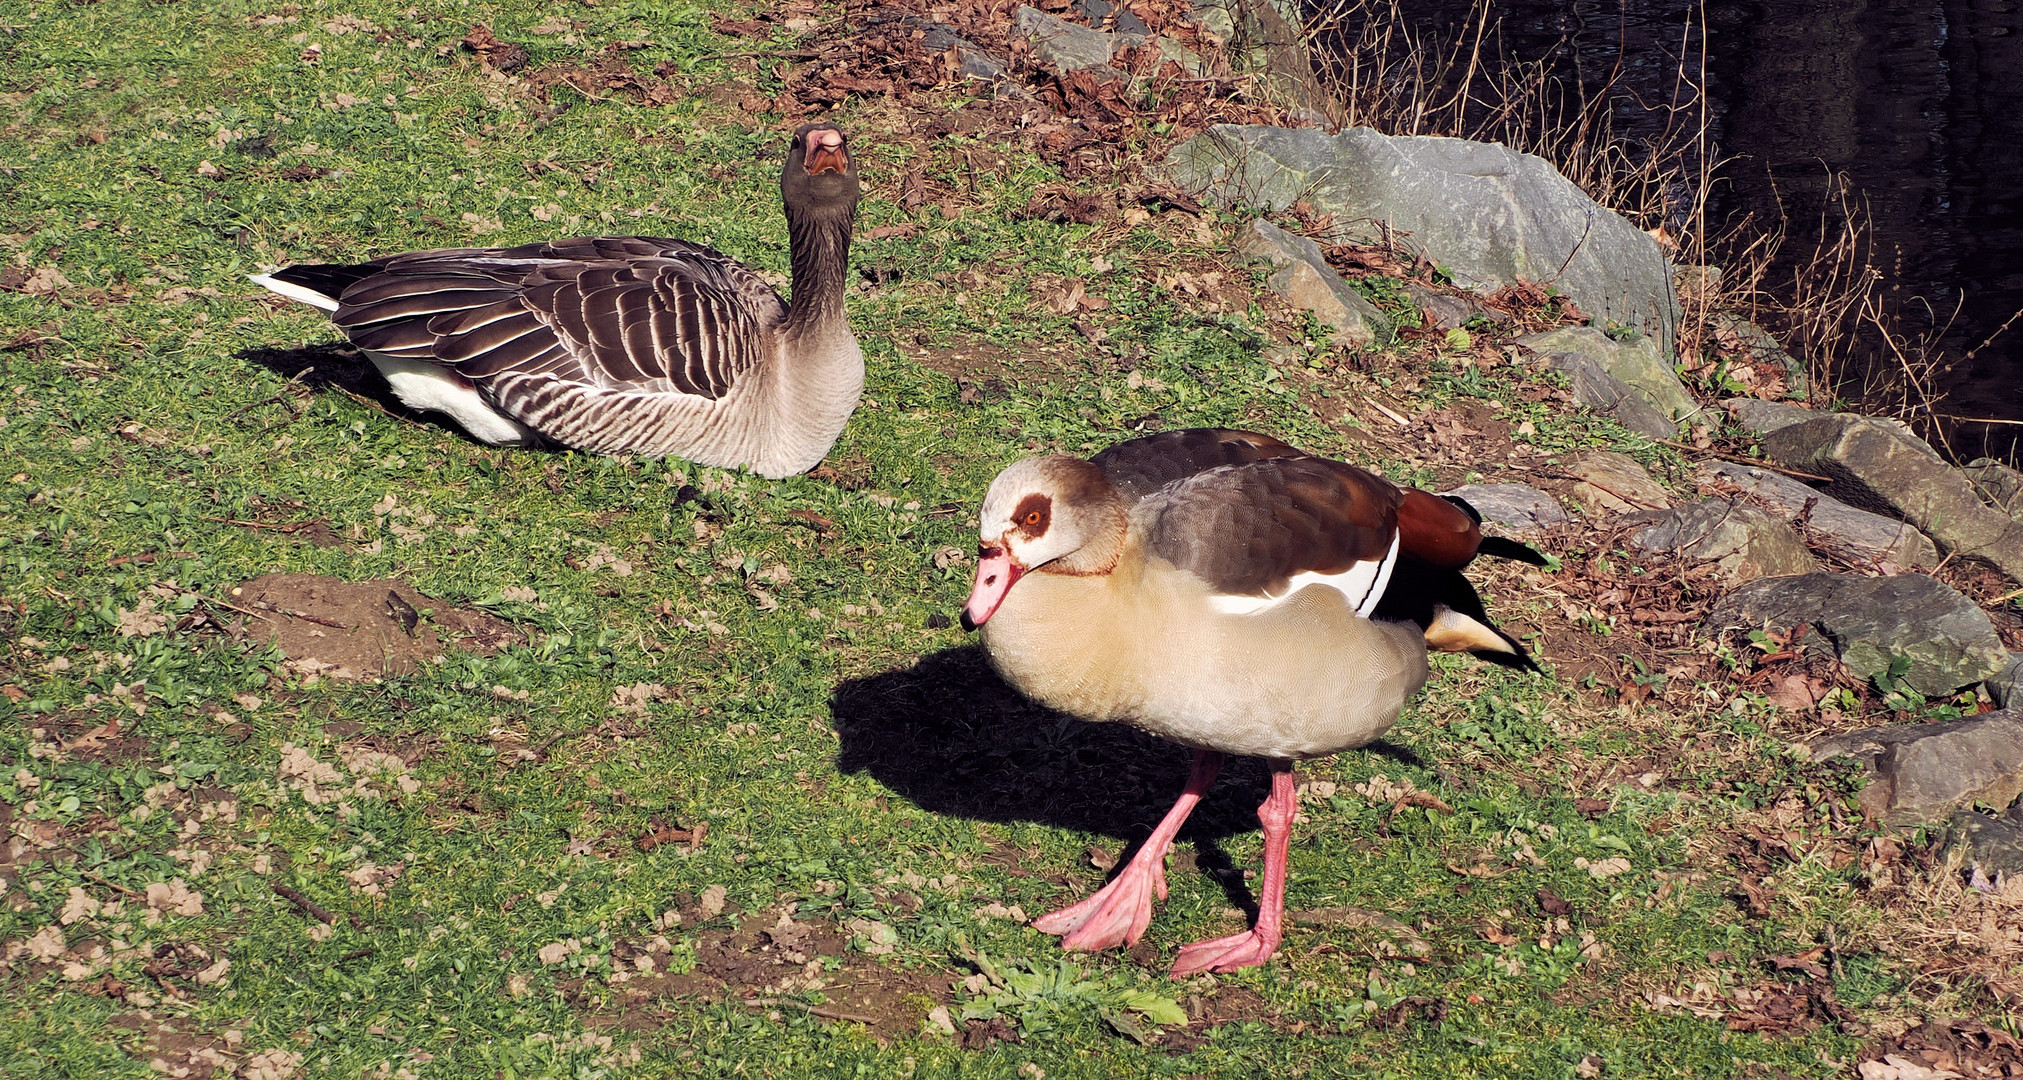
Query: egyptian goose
[1228,592]
[623,345]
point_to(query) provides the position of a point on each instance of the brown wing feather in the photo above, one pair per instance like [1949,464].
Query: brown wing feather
[644,314]
[1142,466]
[1248,529]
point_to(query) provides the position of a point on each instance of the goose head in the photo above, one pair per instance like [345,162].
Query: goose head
[1054,513]
[821,173]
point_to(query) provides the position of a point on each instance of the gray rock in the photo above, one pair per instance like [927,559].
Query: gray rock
[1627,380]
[1449,310]
[1271,45]
[1169,49]
[1993,845]
[1302,275]
[1857,536]
[1920,774]
[1487,213]
[1879,465]
[1868,622]
[1096,11]
[1060,44]
[1998,484]
[1759,349]
[1612,483]
[1744,542]
[2005,687]
[935,37]
[1514,509]
[1211,18]
[1763,417]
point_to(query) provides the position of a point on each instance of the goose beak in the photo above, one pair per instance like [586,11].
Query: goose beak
[826,153]
[996,573]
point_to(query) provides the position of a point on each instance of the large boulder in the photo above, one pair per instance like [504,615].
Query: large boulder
[1513,509]
[1879,465]
[1612,483]
[1490,215]
[1857,536]
[1744,542]
[1302,276]
[1628,380]
[1920,774]
[1869,622]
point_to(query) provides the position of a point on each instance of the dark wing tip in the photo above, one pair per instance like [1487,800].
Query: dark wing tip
[1466,507]
[1517,661]
[1503,548]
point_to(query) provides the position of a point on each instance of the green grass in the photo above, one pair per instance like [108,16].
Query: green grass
[141,423]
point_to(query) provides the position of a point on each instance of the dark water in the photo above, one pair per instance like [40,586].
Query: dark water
[1920,105]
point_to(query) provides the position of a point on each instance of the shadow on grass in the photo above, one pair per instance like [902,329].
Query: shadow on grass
[953,738]
[336,366]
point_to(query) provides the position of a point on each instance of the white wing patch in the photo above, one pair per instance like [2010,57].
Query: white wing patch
[433,387]
[1363,584]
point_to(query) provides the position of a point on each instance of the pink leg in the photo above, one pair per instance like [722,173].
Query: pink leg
[1257,944]
[1118,913]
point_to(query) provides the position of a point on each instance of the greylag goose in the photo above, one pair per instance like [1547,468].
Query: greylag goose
[1228,592]
[623,345]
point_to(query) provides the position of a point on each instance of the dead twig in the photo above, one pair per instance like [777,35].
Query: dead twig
[150,556]
[103,880]
[823,1011]
[307,905]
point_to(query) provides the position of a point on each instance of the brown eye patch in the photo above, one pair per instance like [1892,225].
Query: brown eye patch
[1033,515]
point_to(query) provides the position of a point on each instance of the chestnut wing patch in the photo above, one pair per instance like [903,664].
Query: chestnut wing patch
[1250,529]
[1142,466]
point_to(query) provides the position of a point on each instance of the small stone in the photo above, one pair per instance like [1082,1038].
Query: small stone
[1763,417]
[2005,687]
[1060,44]
[1628,380]
[1613,483]
[1993,844]
[1303,277]
[1758,349]
[1515,509]
[1998,484]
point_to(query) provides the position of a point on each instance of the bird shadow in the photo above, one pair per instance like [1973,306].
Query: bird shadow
[334,366]
[953,738]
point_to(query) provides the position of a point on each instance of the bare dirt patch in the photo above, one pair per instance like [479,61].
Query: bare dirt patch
[364,629]
[173,1051]
[771,962]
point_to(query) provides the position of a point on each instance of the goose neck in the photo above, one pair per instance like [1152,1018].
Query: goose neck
[819,241]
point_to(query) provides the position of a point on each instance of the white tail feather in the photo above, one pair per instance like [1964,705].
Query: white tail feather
[301,293]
